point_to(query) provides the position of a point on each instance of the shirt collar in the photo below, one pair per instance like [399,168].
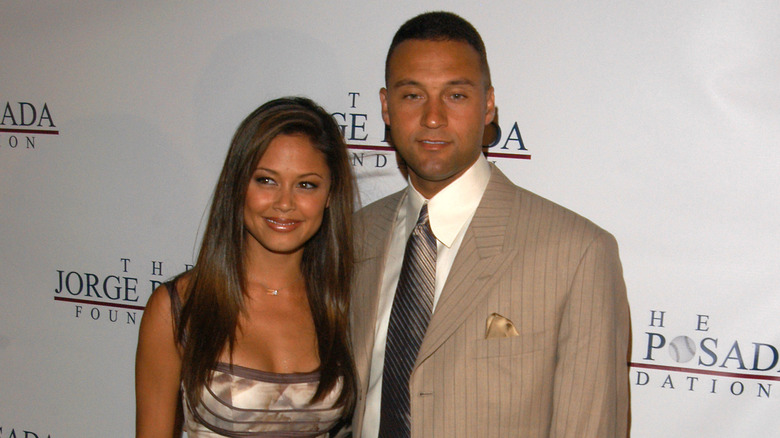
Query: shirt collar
[454,205]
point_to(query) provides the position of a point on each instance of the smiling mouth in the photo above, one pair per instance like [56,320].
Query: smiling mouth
[433,144]
[279,224]
[433,141]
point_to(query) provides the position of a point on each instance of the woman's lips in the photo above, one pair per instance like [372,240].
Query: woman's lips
[282,225]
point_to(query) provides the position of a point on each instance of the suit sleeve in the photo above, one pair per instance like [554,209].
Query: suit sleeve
[591,392]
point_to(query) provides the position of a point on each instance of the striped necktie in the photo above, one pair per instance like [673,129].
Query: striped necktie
[412,307]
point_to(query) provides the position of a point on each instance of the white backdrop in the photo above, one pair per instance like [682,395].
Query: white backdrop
[657,120]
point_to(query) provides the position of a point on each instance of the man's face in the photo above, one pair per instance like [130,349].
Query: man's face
[437,105]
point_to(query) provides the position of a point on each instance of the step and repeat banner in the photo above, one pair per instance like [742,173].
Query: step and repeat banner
[659,121]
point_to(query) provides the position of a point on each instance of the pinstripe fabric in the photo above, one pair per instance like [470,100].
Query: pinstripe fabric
[558,278]
[409,319]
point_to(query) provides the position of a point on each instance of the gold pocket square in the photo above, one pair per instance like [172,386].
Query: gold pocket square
[497,326]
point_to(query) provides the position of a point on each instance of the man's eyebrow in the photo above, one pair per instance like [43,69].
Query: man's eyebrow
[414,83]
[463,81]
[405,82]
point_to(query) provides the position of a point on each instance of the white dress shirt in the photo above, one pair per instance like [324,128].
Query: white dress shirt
[450,212]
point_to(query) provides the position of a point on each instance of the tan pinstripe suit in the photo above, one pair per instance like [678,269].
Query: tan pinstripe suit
[557,277]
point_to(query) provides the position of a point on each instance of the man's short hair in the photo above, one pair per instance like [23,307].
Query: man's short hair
[440,26]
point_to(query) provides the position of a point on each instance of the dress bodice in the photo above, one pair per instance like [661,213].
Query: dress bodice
[243,402]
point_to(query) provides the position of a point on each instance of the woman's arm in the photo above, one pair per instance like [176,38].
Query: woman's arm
[157,370]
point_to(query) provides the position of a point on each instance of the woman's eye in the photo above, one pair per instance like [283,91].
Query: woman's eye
[264,180]
[308,185]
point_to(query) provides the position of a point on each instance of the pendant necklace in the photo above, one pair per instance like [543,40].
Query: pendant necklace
[275,292]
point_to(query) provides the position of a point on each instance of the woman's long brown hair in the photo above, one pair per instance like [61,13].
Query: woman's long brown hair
[214,297]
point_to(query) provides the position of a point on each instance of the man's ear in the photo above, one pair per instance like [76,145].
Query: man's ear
[490,105]
[383,99]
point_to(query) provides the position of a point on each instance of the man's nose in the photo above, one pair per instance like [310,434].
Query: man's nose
[434,114]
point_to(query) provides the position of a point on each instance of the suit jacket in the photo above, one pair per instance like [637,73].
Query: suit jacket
[557,277]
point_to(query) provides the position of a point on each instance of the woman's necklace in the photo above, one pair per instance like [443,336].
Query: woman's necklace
[275,292]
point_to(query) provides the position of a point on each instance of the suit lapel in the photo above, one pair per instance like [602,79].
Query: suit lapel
[377,230]
[373,235]
[485,253]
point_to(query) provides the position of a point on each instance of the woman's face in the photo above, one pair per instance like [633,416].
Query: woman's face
[286,196]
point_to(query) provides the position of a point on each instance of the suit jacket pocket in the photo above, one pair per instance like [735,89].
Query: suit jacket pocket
[503,347]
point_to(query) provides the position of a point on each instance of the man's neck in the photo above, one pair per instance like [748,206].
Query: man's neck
[429,189]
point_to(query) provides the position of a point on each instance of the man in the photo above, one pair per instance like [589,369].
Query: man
[524,327]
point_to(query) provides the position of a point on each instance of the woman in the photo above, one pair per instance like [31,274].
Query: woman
[255,335]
